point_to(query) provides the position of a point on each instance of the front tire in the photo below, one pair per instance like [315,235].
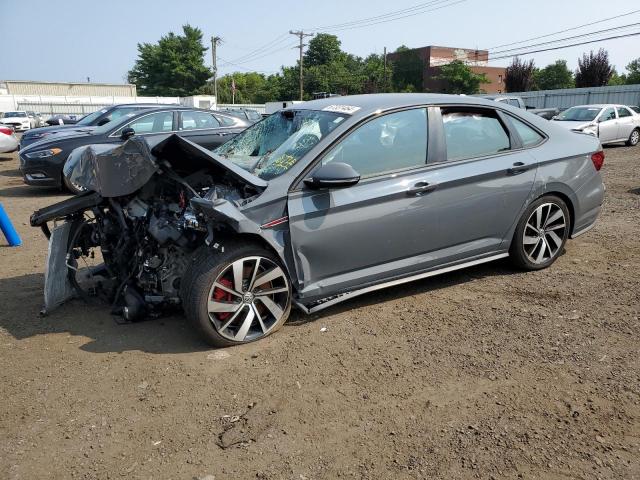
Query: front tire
[237,296]
[541,233]
[634,138]
[72,187]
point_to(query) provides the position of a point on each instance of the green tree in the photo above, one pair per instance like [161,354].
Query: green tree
[554,76]
[458,78]
[633,72]
[519,76]
[617,79]
[324,49]
[594,70]
[172,67]
[408,70]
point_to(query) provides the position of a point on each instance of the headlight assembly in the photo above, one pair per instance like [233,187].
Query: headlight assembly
[44,153]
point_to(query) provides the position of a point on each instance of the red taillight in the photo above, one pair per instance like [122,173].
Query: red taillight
[6,131]
[598,159]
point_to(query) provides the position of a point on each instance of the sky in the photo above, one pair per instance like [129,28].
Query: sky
[71,40]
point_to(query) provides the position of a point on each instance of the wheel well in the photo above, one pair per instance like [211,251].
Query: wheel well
[569,204]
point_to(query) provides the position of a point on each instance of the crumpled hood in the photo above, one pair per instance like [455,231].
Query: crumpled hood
[569,125]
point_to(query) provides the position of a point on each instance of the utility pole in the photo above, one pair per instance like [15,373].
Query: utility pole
[214,44]
[384,75]
[300,34]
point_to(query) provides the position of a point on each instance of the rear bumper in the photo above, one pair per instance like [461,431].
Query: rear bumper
[592,196]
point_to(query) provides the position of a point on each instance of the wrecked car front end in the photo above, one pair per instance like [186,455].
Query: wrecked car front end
[129,239]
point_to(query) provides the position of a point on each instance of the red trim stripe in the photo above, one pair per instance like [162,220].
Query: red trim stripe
[274,223]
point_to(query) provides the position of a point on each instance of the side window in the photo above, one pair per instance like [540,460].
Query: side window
[472,133]
[122,112]
[197,120]
[528,135]
[623,112]
[225,121]
[153,123]
[391,142]
[514,103]
[608,114]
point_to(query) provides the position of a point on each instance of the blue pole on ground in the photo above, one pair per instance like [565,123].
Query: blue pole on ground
[7,228]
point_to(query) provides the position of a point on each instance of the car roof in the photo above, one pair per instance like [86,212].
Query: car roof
[362,105]
[157,105]
[601,105]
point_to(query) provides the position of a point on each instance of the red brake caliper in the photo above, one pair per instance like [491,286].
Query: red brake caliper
[221,295]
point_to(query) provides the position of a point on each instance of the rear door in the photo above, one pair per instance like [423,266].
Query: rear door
[608,125]
[483,174]
[151,124]
[203,128]
[626,123]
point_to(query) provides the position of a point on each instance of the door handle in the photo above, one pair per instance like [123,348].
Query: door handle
[517,168]
[422,187]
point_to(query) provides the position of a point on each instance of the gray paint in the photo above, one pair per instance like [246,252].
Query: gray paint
[372,233]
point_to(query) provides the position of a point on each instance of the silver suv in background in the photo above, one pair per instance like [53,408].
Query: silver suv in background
[610,123]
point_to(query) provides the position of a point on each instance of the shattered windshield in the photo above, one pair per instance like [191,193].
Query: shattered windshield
[273,146]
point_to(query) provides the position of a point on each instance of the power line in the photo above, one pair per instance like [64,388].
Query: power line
[567,46]
[227,62]
[263,48]
[564,31]
[378,17]
[265,54]
[394,19]
[550,42]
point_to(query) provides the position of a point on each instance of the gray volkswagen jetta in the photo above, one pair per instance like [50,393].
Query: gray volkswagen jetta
[328,200]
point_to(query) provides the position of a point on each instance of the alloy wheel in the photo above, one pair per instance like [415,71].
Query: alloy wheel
[635,137]
[248,299]
[544,233]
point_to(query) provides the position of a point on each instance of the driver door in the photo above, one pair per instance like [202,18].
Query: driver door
[343,236]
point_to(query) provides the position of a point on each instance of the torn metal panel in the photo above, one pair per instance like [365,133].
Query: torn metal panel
[57,288]
[112,171]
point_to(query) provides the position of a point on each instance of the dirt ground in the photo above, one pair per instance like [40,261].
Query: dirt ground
[485,373]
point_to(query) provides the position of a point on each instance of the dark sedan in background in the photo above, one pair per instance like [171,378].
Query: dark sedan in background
[41,163]
[88,122]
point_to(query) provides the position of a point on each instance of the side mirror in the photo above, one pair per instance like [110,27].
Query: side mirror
[104,121]
[127,133]
[333,175]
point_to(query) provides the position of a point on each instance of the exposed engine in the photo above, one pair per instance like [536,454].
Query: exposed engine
[133,248]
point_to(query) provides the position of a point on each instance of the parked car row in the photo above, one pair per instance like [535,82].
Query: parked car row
[44,152]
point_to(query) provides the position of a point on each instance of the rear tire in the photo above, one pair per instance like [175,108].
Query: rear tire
[634,138]
[541,233]
[223,300]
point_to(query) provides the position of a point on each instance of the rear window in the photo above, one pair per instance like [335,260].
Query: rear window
[473,133]
[527,134]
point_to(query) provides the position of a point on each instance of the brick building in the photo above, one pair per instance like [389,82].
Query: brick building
[433,57]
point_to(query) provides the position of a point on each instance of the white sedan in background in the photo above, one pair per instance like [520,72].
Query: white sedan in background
[610,123]
[18,120]
[8,140]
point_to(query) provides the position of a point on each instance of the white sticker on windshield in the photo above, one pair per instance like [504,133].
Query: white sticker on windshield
[348,109]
